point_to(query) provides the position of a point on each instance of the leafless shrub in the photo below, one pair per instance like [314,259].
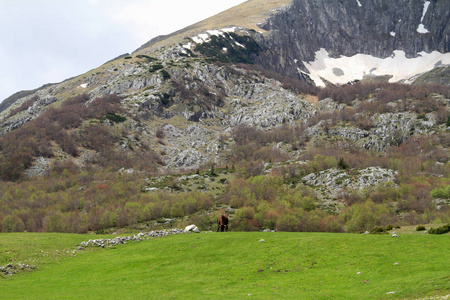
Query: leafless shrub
[364,123]
[105,104]
[97,137]
[441,115]
[57,167]
[160,133]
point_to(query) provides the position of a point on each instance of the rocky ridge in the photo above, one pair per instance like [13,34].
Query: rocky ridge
[346,28]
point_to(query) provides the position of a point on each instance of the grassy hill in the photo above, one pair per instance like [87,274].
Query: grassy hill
[247,15]
[236,265]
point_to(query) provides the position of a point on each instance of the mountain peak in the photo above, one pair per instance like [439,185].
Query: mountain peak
[334,42]
[250,15]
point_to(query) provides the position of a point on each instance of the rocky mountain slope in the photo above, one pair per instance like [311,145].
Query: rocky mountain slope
[308,31]
[242,88]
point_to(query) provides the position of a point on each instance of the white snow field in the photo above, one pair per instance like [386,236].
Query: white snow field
[345,69]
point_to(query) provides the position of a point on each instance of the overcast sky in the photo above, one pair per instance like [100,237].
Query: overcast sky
[47,41]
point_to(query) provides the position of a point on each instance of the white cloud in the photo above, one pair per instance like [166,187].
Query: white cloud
[147,19]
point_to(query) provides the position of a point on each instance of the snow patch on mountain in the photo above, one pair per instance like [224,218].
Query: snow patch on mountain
[187,46]
[206,37]
[345,69]
[421,28]
[425,8]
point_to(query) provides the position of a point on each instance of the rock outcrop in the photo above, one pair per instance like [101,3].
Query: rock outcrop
[347,28]
[331,181]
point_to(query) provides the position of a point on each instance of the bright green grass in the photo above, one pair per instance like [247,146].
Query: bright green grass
[235,265]
[39,248]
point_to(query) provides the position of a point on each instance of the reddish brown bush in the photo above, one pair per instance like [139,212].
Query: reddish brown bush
[160,133]
[442,115]
[100,106]
[97,137]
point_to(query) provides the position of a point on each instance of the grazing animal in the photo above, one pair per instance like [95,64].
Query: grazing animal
[222,223]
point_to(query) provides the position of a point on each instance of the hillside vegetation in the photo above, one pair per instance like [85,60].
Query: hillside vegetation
[219,117]
[264,178]
[236,265]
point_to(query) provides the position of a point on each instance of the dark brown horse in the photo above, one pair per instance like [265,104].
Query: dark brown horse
[222,223]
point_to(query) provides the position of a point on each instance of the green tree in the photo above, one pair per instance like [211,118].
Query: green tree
[12,224]
[108,219]
[342,164]
[287,222]
[441,192]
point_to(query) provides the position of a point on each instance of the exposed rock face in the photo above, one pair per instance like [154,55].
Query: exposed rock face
[390,129]
[333,180]
[40,165]
[32,112]
[346,28]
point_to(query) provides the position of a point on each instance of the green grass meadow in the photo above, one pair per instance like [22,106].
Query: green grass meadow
[232,265]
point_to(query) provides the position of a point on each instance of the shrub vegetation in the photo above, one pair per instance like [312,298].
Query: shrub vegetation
[263,185]
[440,230]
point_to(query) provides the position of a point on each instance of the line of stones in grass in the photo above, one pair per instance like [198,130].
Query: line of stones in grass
[132,238]
[11,269]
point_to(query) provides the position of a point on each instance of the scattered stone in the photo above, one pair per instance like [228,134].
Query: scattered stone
[126,171]
[390,293]
[11,269]
[261,240]
[395,235]
[132,238]
[358,273]
[396,263]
